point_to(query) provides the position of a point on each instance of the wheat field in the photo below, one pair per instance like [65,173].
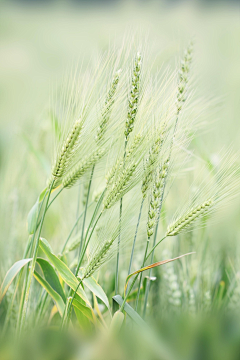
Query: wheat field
[120,186]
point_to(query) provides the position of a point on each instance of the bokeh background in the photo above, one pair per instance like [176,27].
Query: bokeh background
[40,41]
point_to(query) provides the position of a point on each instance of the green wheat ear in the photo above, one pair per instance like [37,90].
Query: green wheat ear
[156,197]
[67,151]
[96,261]
[80,169]
[151,161]
[134,97]
[183,77]
[186,220]
[106,111]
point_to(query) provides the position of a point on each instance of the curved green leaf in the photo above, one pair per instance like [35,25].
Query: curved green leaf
[54,295]
[33,213]
[63,270]
[86,311]
[94,287]
[41,196]
[130,311]
[10,275]
[83,321]
[32,218]
[51,277]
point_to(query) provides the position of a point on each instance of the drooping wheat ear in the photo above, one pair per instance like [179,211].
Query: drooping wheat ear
[67,150]
[183,78]
[117,169]
[117,190]
[134,97]
[106,111]
[186,220]
[97,260]
[79,170]
[126,174]
[151,161]
[156,198]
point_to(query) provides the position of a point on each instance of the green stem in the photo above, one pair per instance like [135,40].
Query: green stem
[159,214]
[118,248]
[69,306]
[40,306]
[74,226]
[135,236]
[65,315]
[85,213]
[55,197]
[135,278]
[87,242]
[128,292]
[150,252]
[120,223]
[78,205]
[151,261]
[140,281]
[95,213]
[30,275]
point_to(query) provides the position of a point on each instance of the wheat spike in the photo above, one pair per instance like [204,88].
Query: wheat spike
[186,220]
[79,170]
[134,97]
[106,111]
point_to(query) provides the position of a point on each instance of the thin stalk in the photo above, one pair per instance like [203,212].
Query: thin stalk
[95,212]
[148,285]
[150,252]
[159,214]
[23,311]
[89,238]
[55,197]
[37,224]
[40,306]
[140,281]
[128,292]
[78,205]
[87,242]
[65,314]
[118,248]
[85,213]
[119,236]
[158,219]
[65,319]
[151,261]
[135,278]
[74,226]
[135,236]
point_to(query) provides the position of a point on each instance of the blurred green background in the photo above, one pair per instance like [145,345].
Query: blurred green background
[41,41]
